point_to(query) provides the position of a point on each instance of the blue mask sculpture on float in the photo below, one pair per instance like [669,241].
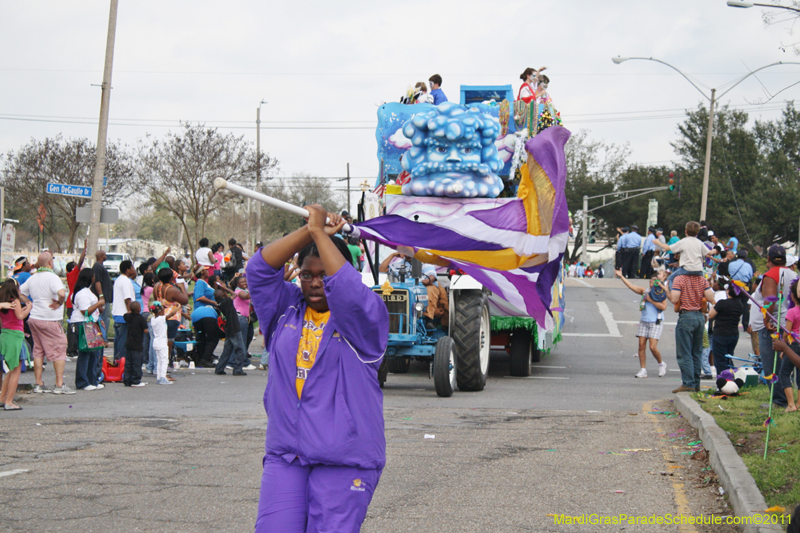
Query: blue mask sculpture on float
[452,154]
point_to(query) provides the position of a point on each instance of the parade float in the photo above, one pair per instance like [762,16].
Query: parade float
[477,189]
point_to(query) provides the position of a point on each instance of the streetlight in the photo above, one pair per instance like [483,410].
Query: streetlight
[734,3]
[258,168]
[712,99]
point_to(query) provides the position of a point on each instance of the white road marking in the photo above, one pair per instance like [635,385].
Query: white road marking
[637,322]
[579,280]
[12,472]
[543,366]
[589,335]
[533,377]
[605,312]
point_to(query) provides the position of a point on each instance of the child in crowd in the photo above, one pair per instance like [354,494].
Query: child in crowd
[158,329]
[692,253]
[13,348]
[234,346]
[134,345]
[785,376]
[654,302]
[148,285]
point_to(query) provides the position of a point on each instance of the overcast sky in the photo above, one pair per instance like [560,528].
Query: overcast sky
[322,64]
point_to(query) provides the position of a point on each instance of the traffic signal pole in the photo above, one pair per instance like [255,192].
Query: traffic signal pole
[585,232]
[627,196]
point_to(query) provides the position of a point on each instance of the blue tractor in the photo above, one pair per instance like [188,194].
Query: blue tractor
[409,338]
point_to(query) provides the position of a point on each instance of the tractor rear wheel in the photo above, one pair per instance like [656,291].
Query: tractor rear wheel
[444,367]
[399,365]
[521,352]
[471,332]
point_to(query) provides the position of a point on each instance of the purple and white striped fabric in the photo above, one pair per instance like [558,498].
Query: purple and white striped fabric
[475,241]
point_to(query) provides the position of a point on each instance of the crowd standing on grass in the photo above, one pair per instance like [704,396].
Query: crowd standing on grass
[716,290]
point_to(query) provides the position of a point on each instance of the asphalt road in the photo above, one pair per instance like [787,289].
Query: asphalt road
[188,457]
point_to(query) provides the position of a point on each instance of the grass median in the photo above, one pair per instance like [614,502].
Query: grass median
[743,417]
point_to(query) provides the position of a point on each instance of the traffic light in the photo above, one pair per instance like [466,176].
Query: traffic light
[592,230]
[672,181]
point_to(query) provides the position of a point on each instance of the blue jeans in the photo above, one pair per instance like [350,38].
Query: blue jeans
[232,352]
[689,347]
[120,336]
[723,345]
[244,325]
[106,320]
[680,271]
[768,359]
[785,376]
[704,364]
[86,372]
[265,355]
[148,345]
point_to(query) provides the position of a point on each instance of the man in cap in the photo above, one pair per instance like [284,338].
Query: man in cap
[775,287]
[621,232]
[648,249]
[689,291]
[629,245]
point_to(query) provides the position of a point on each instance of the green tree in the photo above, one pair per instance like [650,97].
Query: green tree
[753,182]
[593,167]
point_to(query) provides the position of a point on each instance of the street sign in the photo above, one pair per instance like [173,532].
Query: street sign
[69,190]
[9,238]
[652,212]
[108,215]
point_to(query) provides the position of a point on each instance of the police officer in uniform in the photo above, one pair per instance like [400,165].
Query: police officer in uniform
[629,246]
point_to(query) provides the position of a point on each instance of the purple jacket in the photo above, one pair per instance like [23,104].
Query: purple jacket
[339,419]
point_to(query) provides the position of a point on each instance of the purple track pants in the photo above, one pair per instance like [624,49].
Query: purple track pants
[313,498]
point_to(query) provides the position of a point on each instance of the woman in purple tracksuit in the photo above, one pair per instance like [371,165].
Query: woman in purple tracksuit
[325,448]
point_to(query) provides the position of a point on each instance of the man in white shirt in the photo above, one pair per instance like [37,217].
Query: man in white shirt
[47,294]
[123,296]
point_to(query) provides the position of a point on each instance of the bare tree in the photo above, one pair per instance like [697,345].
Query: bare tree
[177,174]
[301,189]
[28,171]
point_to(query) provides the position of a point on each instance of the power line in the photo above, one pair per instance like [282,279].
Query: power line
[413,75]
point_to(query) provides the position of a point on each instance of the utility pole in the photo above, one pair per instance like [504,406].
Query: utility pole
[707,168]
[348,189]
[585,231]
[102,132]
[258,174]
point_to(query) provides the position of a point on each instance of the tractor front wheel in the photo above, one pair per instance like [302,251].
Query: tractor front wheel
[444,367]
[471,332]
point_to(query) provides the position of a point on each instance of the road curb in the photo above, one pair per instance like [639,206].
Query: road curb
[743,494]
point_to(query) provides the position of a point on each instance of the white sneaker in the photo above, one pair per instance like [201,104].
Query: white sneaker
[99,386]
[249,367]
[140,384]
[89,387]
[229,367]
[642,373]
[662,370]
[64,389]
[713,372]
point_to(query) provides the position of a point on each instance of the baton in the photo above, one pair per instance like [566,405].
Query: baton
[220,183]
